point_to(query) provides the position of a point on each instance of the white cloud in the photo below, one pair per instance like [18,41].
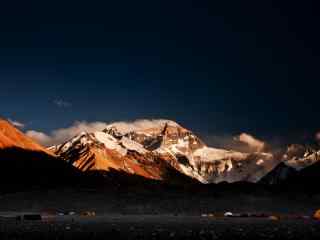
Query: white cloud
[244,142]
[251,141]
[16,123]
[59,136]
[62,103]
[40,137]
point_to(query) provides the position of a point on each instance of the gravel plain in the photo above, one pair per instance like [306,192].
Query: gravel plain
[158,227]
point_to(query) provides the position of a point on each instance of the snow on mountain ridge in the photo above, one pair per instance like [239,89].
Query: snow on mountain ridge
[132,145]
[110,142]
[140,125]
[299,156]
[171,143]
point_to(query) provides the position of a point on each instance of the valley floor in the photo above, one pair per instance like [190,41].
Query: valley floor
[153,214]
[154,201]
[159,227]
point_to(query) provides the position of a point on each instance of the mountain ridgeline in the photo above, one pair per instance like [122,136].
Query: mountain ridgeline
[153,151]
[164,152]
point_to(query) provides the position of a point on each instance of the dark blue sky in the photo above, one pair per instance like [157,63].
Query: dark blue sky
[216,68]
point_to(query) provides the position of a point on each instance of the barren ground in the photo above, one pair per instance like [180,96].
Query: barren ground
[154,215]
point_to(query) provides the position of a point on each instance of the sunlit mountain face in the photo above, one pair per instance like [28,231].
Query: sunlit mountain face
[156,119]
[150,150]
[11,137]
[24,162]
[160,150]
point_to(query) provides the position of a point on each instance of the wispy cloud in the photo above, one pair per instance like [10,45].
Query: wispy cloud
[40,137]
[62,103]
[251,141]
[243,142]
[63,134]
[16,123]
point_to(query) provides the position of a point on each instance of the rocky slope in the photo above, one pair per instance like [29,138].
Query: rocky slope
[287,178]
[296,164]
[299,156]
[164,151]
[152,151]
[12,137]
[25,162]
[103,152]
[279,175]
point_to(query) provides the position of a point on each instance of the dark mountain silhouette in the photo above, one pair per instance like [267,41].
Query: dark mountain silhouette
[286,179]
[26,168]
[279,174]
[306,179]
[25,163]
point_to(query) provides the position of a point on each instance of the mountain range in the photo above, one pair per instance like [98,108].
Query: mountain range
[164,152]
[152,151]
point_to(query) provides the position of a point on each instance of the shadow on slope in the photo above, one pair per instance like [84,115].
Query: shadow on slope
[22,169]
[25,168]
[306,180]
[119,180]
[179,185]
[286,179]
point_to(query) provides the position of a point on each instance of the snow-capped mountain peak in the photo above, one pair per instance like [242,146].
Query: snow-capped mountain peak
[149,149]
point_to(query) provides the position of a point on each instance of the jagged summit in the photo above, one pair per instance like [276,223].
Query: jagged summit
[145,126]
[145,148]
[157,150]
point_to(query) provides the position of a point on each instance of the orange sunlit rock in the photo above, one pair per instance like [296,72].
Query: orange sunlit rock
[12,137]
